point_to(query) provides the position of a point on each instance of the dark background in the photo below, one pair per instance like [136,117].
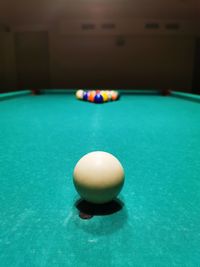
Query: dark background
[100,43]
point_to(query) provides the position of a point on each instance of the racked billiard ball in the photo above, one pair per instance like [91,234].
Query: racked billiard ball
[98,177]
[79,94]
[114,95]
[109,95]
[98,98]
[91,96]
[105,96]
[85,95]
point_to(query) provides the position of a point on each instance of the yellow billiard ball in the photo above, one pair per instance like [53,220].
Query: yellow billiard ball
[109,95]
[105,96]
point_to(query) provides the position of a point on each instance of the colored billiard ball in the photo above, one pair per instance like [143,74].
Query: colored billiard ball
[79,94]
[112,92]
[105,96]
[85,95]
[98,98]
[98,177]
[109,95]
[91,96]
[114,95]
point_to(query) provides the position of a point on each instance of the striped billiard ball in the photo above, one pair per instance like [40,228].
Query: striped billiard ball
[109,95]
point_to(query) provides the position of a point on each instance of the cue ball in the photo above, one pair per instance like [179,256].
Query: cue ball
[98,177]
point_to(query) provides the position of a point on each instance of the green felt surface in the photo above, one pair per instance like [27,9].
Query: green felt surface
[157,139]
[8,95]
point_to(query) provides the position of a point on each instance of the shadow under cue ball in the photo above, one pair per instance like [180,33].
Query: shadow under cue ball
[98,177]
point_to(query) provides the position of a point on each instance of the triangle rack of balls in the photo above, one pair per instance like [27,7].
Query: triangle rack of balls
[97,96]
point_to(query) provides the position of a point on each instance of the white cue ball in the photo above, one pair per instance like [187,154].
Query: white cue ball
[98,177]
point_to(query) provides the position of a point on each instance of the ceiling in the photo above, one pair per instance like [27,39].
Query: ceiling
[48,11]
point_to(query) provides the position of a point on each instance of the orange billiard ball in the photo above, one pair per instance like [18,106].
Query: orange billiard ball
[114,95]
[91,96]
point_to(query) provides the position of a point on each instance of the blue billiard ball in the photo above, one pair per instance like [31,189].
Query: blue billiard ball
[85,95]
[98,98]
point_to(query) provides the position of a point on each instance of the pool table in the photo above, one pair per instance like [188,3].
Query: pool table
[155,221]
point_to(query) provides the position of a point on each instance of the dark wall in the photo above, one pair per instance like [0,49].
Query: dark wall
[48,59]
